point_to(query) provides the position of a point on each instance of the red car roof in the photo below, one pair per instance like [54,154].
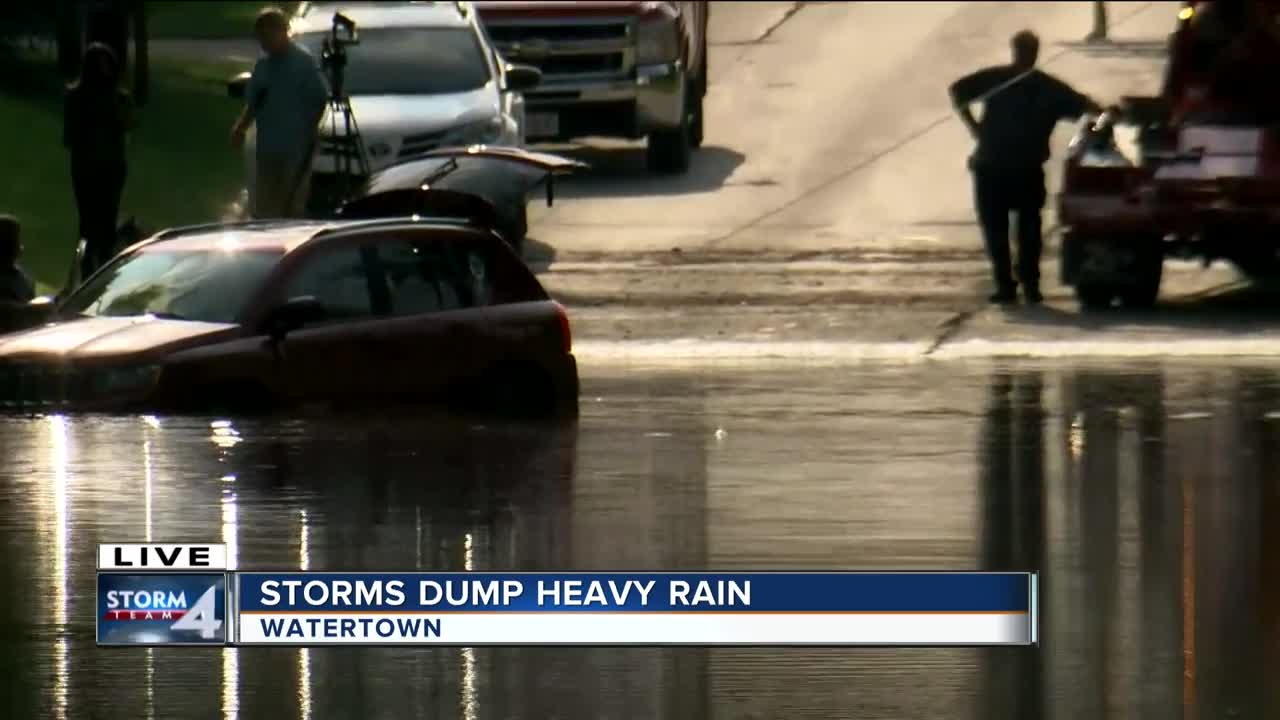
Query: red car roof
[274,235]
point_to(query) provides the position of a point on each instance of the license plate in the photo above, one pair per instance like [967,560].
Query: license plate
[540,125]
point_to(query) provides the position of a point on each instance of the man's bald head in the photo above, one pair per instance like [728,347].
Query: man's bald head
[272,30]
[1026,49]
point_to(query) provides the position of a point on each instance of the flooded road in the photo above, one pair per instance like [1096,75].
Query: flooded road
[1141,492]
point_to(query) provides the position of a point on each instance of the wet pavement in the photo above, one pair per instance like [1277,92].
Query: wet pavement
[1140,491]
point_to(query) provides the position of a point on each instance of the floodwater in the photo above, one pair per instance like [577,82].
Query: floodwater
[1146,494]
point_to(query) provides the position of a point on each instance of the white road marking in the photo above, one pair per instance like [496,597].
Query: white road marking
[692,352]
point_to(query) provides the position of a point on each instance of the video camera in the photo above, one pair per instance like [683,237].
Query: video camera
[333,53]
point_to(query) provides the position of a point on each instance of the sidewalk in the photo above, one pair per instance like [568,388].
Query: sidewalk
[229,50]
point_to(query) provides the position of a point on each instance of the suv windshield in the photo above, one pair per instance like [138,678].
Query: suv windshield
[410,61]
[203,285]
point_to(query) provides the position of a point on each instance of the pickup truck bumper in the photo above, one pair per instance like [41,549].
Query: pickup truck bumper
[631,108]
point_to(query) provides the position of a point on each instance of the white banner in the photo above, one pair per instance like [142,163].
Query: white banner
[623,628]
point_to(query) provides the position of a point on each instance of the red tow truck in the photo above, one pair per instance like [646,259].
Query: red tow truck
[1204,182]
[610,69]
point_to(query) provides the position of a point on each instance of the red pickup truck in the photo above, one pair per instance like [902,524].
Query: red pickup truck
[610,69]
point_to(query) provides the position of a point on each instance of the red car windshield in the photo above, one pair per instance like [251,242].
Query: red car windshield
[202,285]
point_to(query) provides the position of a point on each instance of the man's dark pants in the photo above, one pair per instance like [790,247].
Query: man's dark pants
[98,187]
[999,192]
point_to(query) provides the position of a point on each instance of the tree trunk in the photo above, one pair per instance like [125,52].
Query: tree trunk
[141,56]
[70,37]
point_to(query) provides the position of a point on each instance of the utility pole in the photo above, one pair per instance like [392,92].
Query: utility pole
[1099,32]
[70,22]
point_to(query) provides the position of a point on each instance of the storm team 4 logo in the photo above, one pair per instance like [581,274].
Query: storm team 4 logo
[167,607]
[162,609]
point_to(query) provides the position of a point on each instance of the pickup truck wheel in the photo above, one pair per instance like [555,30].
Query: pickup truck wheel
[695,116]
[1146,289]
[670,151]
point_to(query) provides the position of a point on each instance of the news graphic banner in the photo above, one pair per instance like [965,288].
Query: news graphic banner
[544,609]
[152,594]
[635,609]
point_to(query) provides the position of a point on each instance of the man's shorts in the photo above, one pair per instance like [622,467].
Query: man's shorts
[281,188]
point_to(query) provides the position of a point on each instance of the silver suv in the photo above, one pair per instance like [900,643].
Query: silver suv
[423,76]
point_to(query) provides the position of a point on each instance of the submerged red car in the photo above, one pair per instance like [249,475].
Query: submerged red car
[270,314]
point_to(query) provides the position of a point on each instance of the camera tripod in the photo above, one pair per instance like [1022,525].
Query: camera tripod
[350,161]
[344,142]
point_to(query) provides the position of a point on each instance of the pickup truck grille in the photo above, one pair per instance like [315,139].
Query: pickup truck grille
[506,34]
[578,64]
[566,52]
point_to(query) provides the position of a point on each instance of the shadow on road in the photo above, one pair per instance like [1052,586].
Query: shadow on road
[621,172]
[1239,309]
[1120,48]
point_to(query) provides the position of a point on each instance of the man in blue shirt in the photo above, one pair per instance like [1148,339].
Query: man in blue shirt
[286,98]
[1021,107]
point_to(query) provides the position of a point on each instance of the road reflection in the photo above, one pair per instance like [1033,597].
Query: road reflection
[1152,537]
[1144,496]
[1012,486]
[60,528]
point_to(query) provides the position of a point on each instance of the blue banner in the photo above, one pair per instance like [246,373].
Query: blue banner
[776,592]
[162,609]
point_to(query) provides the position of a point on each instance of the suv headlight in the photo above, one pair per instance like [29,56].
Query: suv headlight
[486,132]
[657,41]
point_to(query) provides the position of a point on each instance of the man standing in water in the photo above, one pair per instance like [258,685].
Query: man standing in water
[286,98]
[1021,107]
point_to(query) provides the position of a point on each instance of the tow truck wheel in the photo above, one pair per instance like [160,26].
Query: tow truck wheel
[1095,296]
[1146,288]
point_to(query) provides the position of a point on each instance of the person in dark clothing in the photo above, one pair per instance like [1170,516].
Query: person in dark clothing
[96,121]
[15,285]
[1021,107]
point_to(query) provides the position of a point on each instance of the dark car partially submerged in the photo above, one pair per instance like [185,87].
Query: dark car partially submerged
[264,315]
